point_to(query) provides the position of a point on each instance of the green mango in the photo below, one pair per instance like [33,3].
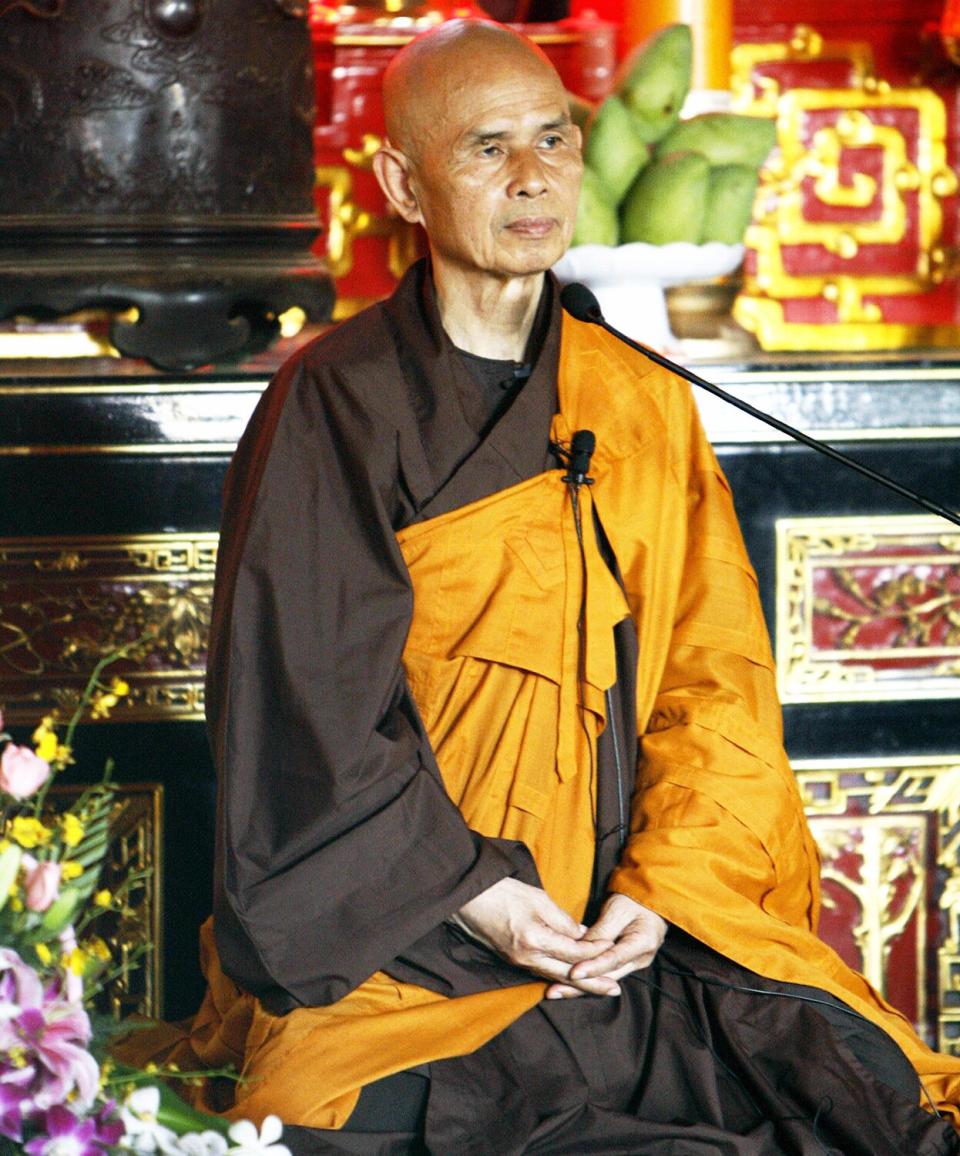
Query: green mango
[654,79]
[729,203]
[724,138]
[667,202]
[596,222]
[614,149]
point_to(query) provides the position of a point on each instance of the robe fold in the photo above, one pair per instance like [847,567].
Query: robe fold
[416,687]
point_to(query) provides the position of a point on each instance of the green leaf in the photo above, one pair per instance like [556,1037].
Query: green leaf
[181,1117]
[61,911]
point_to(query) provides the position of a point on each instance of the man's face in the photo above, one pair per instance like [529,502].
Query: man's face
[497,172]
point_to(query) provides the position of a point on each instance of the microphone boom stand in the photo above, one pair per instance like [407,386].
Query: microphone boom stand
[580,302]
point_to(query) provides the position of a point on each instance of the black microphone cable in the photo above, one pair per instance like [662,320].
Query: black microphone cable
[576,458]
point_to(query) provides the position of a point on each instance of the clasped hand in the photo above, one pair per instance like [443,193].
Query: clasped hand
[523,925]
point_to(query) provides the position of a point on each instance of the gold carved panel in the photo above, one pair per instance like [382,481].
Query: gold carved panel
[867,609]
[889,835]
[67,602]
[846,250]
[132,929]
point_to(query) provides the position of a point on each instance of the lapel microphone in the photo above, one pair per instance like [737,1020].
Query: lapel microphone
[581,304]
[582,445]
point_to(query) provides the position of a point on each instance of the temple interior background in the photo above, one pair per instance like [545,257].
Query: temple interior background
[186,197]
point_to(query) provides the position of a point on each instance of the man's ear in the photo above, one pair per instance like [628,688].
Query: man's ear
[392,170]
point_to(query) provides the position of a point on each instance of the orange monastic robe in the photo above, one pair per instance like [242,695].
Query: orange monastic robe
[719,843]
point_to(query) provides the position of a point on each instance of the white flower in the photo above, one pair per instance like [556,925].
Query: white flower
[202,1144]
[247,1142]
[142,1132]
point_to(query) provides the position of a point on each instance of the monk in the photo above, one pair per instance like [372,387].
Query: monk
[509,857]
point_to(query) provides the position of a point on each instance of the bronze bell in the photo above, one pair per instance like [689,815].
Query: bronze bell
[158,154]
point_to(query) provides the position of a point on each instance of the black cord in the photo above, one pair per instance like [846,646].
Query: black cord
[762,1114]
[581,647]
[839,1006]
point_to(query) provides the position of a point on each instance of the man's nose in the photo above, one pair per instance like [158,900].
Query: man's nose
[527,177]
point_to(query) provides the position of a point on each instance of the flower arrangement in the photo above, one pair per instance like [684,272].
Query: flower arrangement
[59,1094]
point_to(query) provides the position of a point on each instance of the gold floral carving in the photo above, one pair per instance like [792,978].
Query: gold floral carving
[889,833]
[132,929]
[887,888]
[347,221]
[66,602]
[867,608]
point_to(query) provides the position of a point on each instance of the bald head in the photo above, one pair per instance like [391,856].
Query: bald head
[482,152]
[436,73]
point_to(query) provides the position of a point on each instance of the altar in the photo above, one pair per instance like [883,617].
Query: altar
[115,473]
[112,466]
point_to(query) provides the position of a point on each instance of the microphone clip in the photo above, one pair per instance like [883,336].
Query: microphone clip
[576,457]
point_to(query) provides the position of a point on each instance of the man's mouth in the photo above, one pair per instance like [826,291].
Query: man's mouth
[532,226]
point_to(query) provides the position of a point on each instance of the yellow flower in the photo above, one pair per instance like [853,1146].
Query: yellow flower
[16,903]
[103,898]
[101,704]
[44,954]
[120,687]
[45,728]
[18,1056]
[29,832]
[47,746]
[70,869]
[71,829]
[97,949]
[75,961]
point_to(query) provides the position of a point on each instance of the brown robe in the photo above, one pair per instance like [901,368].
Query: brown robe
[342,846]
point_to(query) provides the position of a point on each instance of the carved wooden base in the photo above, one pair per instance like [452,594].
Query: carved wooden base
[201,295]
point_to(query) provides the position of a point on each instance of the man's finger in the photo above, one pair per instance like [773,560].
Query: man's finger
[567,950]
[635,949]
[602,985]
[568,991]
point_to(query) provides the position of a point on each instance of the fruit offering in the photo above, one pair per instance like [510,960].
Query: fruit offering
[650,175]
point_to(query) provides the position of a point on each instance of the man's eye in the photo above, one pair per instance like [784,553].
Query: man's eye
[490,150]
[551,142]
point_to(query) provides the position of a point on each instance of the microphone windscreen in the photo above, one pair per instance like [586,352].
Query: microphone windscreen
[580,302]
[584,441]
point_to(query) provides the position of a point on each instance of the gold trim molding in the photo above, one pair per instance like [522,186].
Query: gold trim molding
[889,833]
[867,609]
[65,602]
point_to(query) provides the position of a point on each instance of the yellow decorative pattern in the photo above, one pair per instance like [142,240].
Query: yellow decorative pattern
[821,189]
[65,602]
[867,608]
[758,94]
[889,833]
[347,222]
